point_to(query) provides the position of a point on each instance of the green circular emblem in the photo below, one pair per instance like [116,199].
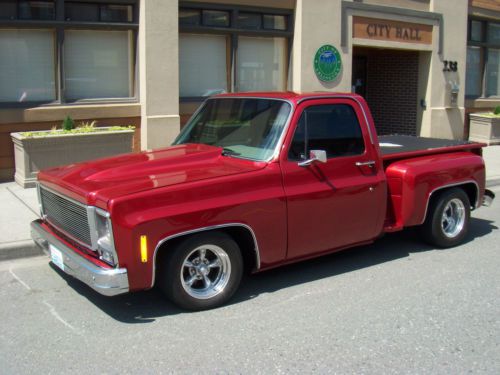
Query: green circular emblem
[327,63]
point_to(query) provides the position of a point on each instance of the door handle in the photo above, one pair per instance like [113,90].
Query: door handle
[370,163]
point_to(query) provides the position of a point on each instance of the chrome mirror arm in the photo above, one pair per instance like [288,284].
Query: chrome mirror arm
[314,155]
[306,163]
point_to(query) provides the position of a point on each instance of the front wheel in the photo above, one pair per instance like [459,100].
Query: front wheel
[202,272]
[447,220]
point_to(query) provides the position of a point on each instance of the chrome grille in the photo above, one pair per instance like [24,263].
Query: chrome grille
[66,215]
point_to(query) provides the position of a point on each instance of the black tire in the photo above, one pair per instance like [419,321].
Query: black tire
[439,228]
[186,273]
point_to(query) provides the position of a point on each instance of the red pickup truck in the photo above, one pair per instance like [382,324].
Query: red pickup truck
[254,181]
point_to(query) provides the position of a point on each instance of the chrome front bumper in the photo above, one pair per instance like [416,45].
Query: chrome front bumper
[106,281]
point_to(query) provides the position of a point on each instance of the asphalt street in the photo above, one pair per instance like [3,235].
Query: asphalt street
[397,306]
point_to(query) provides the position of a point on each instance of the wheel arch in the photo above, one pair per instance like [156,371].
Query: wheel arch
[241,233]
[471,188]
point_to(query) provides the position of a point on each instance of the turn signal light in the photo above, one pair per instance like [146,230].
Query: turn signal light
[144,249]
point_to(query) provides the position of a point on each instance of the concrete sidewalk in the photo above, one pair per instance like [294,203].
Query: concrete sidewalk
[491,157]
[20,206]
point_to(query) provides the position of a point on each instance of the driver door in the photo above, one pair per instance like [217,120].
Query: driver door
[340,202]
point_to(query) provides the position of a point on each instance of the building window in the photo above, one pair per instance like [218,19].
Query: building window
[483,59]
[27,10]
[275,22]
[27,71]
[232,50]
[83,12]
[91,12]
[492,76]
[215,18]
[210,50]
[36,10]
[260,64]
[83,52]
[473,78]
[476,31]
[8,10]
[97,64]
[251,21]
[189,17]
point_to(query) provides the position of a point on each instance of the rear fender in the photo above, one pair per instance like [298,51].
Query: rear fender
[412,183]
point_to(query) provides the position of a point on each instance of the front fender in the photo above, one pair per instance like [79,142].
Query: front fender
[252,200]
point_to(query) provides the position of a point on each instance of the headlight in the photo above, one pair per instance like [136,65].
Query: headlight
[105,243]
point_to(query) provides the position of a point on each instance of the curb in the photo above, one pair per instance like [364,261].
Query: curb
[493,182]
[19,249]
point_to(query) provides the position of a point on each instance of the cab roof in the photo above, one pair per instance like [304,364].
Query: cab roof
[284,95]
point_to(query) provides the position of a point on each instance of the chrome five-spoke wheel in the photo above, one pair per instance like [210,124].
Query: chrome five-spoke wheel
[453,218]
[447,220]
[205,271]
[201,271]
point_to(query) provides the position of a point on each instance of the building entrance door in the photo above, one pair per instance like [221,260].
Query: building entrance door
[388,80]
[359,75]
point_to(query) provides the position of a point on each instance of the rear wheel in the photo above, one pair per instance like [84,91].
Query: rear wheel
[447,220]
[202,272]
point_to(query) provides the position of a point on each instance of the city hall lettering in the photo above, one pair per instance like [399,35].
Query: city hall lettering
[391,30]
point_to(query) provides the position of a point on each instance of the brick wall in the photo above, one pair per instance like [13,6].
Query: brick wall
[391,90]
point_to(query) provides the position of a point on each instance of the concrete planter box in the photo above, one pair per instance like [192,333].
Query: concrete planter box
[484,129]
[32,154]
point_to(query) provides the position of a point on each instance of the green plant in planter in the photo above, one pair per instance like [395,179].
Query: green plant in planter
[87,126]
[494,113]
[68,127]
[68,124]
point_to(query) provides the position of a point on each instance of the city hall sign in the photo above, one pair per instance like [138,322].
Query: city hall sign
[391,31]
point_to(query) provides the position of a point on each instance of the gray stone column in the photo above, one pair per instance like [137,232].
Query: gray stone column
[158,55]
[318,23]
[440,119]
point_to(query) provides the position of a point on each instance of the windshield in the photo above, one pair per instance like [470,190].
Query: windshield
[245,127]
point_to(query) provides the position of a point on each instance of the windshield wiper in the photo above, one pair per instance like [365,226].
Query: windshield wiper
[228,152]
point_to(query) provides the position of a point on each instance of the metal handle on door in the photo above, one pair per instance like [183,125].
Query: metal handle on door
[370,164]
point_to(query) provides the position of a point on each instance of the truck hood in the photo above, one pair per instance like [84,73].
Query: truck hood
[105,179]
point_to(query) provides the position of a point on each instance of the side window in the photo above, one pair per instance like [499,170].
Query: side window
[331,127]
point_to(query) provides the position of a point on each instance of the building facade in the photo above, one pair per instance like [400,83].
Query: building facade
[150,63]
[482,88]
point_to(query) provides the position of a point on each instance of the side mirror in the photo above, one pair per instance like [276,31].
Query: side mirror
[314,155]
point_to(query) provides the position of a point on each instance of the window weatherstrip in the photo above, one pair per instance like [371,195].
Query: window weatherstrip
[344,97]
